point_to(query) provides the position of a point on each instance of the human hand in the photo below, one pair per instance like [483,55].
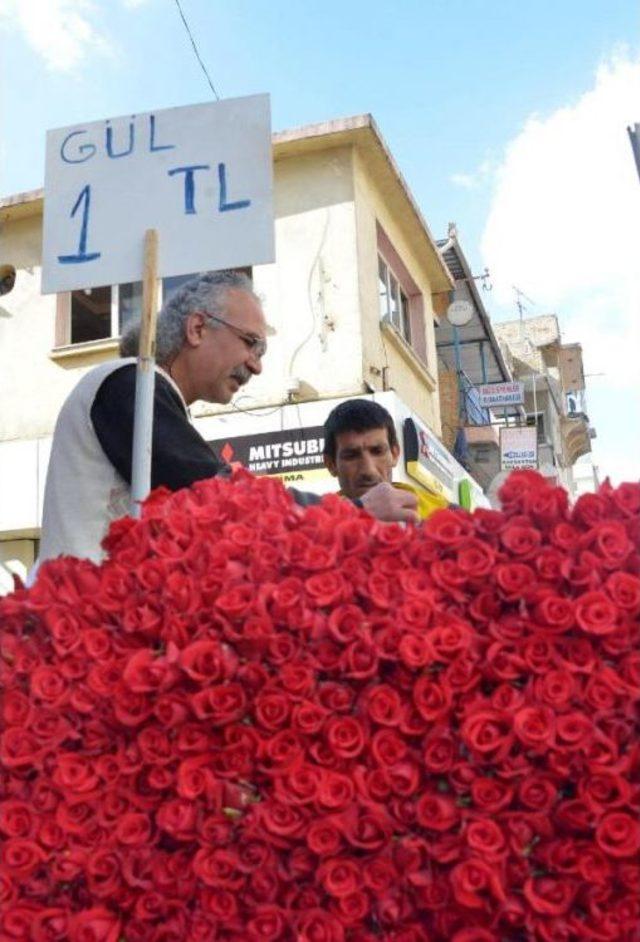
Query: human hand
[390,504]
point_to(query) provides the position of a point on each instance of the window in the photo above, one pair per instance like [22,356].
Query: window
[394,303]
[101,313]
[537,419]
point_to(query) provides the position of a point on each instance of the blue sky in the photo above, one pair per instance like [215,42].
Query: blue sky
[508,118]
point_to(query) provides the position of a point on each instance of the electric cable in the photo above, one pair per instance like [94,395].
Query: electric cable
[195,49]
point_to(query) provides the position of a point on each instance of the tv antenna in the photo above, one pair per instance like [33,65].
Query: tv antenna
[519,296]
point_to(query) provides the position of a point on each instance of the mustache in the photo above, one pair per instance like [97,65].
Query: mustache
[242,375]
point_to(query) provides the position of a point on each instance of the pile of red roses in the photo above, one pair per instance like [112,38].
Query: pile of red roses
[259,723]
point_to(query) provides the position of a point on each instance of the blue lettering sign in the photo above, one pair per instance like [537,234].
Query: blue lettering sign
[68,159]
[109,142]
[223,206]
[189,186]
[84,200]
[152,137]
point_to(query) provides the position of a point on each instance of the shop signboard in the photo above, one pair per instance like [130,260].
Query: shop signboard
[496,395]
[518,447]
[295,455]
[427,461]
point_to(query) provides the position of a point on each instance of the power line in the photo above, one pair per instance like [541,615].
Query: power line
[195,49]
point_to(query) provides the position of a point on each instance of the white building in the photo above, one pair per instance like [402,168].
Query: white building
[351,297]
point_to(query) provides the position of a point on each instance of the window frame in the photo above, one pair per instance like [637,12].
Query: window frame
[400,315]
[63,325]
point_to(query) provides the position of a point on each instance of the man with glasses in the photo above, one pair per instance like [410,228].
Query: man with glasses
[211,337]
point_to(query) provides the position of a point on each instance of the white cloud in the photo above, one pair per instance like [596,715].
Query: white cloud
[471,181]
[63,32]
[564,226]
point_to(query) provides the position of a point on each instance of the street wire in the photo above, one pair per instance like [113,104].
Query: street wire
[195,49]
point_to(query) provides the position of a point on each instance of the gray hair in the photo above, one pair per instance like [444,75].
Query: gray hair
[204,293]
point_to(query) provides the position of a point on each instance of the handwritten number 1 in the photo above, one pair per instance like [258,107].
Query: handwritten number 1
[84,200]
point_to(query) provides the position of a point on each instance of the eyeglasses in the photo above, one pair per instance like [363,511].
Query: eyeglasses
[257,345]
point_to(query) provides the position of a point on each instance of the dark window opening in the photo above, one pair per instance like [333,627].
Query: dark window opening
[90,314]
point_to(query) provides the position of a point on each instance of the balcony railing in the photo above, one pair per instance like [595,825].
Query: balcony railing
[471,412]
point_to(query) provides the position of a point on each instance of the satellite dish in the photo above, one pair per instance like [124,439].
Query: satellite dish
[459,313]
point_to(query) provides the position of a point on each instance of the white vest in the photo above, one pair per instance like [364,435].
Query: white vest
[83,492]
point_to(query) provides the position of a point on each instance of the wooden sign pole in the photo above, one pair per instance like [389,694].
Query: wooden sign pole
[145,377]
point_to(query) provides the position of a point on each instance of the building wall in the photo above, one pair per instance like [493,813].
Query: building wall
[311,295]
[321,299]
[385,361]
[33,386]
[449,406]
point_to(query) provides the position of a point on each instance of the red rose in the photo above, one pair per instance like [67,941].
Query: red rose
[75,773]
[522,541]
[327,588]
[618,834]
[268,923]
[315,925]
[437,812]
[65,628]
[486,839]
[383,705]
[448,527]
[235,602]
[624,589]
[611,542]
[596,614]
[439,750]
[352,908]
[474,935]
[488,734]
[21,857]
[50,925]
[94,925]
[220,704]
[555,613]
[473,880]
[283,751]
[219,868]
[448,576]
[16,819]
[340,876]
[208,661]
[540,654]
[323,838]
[414,650]
[476,559]
[490,794]
[345,736]
[299,787]
[387,747]
[272,709]
[335,791]
[535,727]
[450,639]
[537,793]
[281,821]
[514,579]
[548,896]
[359,660]
[557,688]
[431,698]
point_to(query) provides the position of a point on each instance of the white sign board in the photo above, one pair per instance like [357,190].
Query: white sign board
[500,394]
[518,447]
[201,175]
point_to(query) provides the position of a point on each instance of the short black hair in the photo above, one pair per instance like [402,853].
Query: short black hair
[357,415]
